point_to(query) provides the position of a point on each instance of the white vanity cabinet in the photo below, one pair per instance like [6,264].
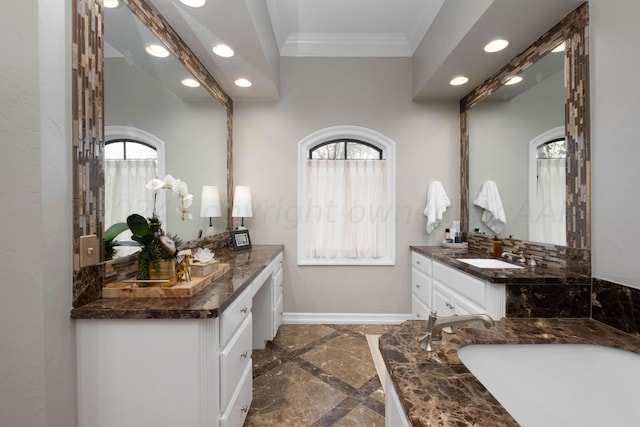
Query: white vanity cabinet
[436,286]
[421,286]
[278,293]
[192,372]
[235,359]
[455,292]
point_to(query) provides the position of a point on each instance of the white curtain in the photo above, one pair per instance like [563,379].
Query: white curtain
[345,209]
[125,191]
[551,201]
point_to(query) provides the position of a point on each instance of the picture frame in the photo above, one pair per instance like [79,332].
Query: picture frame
[240,240]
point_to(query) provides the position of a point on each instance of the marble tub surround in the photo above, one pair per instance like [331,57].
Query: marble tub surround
[208,303]
[436,389]
[616,305]
[548,300]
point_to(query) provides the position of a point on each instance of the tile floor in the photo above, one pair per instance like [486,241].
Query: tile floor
[317,375]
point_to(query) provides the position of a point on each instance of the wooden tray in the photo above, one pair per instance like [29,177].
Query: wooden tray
[179,290]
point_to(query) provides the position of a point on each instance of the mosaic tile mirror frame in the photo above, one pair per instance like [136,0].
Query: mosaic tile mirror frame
[573,30]
[88,136]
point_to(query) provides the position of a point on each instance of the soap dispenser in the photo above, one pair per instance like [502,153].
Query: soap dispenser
[495,249]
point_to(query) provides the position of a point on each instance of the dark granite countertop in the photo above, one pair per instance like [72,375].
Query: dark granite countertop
[538,275]
[208,303]
[436,389]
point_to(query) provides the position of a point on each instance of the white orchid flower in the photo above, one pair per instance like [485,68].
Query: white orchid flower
[180,188]
[155,184]
[169,182]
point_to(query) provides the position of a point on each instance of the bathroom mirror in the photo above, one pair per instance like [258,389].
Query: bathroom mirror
[505,131]
[151,118]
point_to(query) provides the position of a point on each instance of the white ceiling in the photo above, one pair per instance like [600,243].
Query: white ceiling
[444,37]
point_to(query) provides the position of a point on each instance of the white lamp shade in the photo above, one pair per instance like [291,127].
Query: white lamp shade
[210,205]
[242,202]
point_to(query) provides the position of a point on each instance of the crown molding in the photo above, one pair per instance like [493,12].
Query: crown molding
[351,45]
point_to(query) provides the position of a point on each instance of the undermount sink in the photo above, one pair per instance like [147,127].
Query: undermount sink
[488,263]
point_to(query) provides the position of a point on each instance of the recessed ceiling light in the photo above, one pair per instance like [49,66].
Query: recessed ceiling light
[190,82]
[559,48]
[157,50]
[496,45]
[193,3]
[243,83]
[457,81]
[513,80]
[223,50]
[111,4]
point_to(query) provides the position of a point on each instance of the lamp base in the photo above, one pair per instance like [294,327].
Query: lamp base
[210,231]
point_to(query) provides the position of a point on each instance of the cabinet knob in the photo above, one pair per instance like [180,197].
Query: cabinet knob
[244,354]
[418,262]
[245,408]
[417,285]
[451,306]
[418,315]
[244,310]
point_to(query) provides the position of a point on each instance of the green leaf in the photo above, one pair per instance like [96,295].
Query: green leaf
[138,226]
[113,231]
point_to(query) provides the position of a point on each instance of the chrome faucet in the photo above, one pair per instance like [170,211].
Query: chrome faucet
[514,257]
[435,325]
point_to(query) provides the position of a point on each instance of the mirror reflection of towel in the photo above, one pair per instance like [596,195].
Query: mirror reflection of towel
[437,203]
[489,200]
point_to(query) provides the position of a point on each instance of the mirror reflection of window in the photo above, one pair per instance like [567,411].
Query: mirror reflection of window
[551,185]
[129,166]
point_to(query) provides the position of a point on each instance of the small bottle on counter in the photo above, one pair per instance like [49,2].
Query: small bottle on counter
[495,248]
[447,235]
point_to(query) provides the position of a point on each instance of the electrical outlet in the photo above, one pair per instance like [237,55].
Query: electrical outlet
[88,250]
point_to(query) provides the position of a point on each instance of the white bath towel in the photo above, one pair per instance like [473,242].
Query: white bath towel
[489,200]
[437,203]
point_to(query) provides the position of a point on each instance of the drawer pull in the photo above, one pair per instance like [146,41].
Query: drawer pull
[245,408]
[451,306]
[244,309]
[244,354]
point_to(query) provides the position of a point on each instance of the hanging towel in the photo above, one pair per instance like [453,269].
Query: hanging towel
[437,203]
[489,200]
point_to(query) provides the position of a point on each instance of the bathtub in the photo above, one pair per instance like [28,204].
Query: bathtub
[548,385]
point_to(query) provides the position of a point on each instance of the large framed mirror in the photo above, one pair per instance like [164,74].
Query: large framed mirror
[532,140]
[156,125]
[120,93]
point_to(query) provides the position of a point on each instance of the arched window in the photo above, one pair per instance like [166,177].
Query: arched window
[132,158]
[547,187]
[346,178]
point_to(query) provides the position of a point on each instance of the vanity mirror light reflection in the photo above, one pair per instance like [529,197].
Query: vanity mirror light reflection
[532,140]
[158,120]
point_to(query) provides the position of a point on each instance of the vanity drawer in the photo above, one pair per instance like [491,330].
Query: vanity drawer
[419,310]
[277,285]
[277,262]
[421,263]
[234,315]
[421,287]
[234,359]
[236,412]
[466,285]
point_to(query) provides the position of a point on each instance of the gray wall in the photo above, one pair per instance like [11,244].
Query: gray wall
[323,92]
[615,113]
[37,339]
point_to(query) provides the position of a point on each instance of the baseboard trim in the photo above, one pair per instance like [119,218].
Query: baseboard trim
[344,318]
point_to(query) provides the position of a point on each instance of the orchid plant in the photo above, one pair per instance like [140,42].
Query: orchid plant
[179,188]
